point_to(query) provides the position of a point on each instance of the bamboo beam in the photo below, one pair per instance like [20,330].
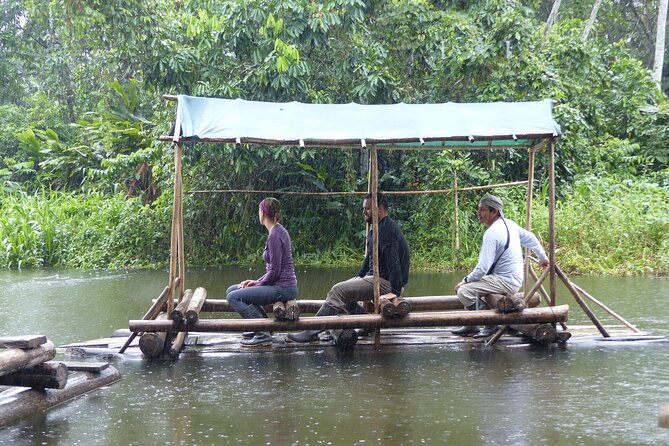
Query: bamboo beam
[419,303]
[374,186]
[13,359]
[456,221]
[432,319]
[551,221]
[338,193]
[605,308]
[581,303]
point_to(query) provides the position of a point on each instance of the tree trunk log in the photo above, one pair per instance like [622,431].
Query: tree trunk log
[279,310]
[403,306]
[13,359]
[48,375]
[543,334]
[344,339]
[151,343]
[292,310]
[178,344]
[195,306]
[558,313]
[179,311]
[19,403]
[387,308]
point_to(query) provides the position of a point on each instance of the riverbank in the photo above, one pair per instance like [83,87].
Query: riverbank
[605,226]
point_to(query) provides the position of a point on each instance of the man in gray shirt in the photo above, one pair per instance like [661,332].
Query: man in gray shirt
[500,265]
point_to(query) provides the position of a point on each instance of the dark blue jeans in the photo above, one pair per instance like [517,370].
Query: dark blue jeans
[247,301]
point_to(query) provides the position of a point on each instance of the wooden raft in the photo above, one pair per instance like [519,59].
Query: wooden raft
[30,381]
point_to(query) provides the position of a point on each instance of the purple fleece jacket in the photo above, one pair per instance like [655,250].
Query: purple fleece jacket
[278,258]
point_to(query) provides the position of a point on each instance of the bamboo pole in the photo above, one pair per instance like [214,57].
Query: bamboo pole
[605,308]
[551,221]
[498,334]
[418,303]
[337,193]
[456,221]
[528,216]
[375,234]
[537,285]
[180,311]
[582,304]
[537,315]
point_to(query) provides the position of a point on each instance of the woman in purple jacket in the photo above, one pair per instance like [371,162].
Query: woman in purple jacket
[277,284]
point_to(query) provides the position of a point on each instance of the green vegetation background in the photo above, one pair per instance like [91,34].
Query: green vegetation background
[85,183]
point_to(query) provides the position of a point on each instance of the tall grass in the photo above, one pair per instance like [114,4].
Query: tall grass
[82,230]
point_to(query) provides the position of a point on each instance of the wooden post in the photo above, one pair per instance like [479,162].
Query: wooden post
[177,344]
[551,221]
[582,304]
[374,164]
[387,308]
[528,216]
[403,306]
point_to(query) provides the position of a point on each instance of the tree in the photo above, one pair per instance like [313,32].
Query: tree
[659,42]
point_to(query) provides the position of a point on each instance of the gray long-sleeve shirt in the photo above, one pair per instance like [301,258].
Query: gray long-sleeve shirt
[510,265]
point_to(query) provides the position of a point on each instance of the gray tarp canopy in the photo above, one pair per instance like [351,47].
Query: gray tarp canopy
[238,120]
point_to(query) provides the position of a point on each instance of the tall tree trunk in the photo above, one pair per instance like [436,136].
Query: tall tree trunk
[552,17]
[591,20]
[659,42]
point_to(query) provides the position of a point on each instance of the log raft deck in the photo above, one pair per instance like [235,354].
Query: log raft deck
[520,126]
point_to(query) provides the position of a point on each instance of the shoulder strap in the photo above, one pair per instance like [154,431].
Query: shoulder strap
[508,241]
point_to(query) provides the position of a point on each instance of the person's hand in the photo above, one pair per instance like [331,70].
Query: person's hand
[544,263]
[389,296]
[248,283]
[457,287]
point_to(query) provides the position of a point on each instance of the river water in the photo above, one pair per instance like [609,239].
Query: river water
[598,393]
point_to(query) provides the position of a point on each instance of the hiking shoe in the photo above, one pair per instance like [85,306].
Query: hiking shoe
[304,336]
[325,336]
[260,339]
[467,330]
[248,334]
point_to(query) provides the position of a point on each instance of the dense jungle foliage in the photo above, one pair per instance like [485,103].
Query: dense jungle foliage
[85,182]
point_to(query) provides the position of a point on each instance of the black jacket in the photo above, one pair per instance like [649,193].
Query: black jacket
[393,256]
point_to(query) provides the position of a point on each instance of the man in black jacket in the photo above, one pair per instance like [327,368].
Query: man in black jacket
[343,297]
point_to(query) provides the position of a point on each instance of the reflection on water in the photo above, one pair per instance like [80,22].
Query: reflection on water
[595,394]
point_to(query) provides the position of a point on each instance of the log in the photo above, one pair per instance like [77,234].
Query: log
[22,341]
[13,359]
[152,343]
[387,308]
[16,403]
[279,310]
[48,375]
[543,334]
[344,339]
[179,311]
[195,305]
[557,313]
[177,344]
[292,310]
[509,303]
[402,305]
